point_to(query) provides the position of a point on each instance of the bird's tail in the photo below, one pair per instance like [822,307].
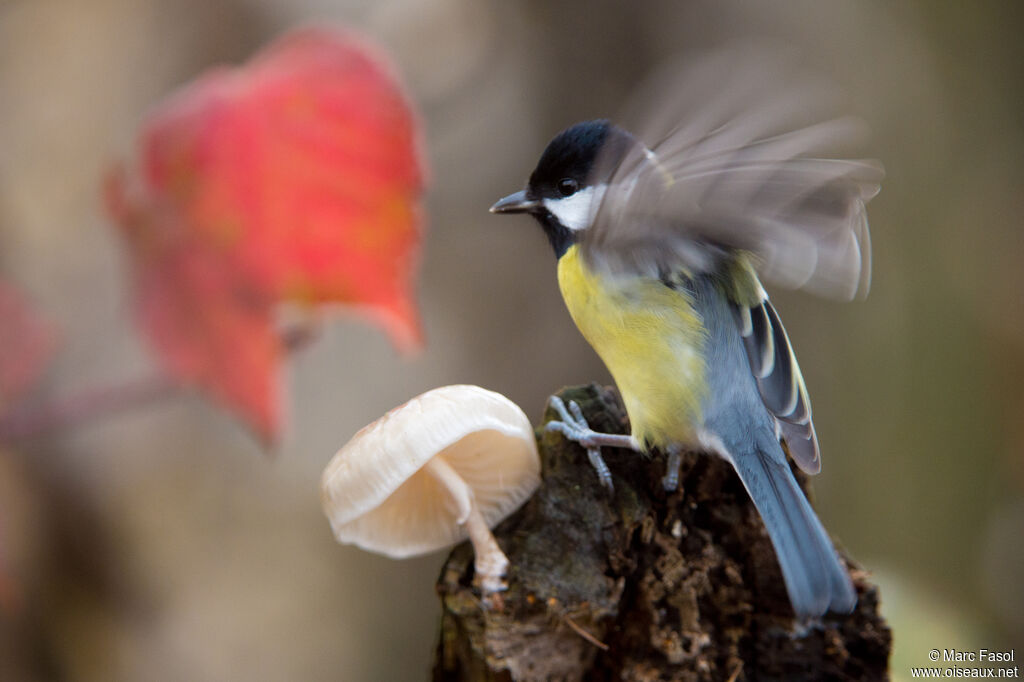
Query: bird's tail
[815,578]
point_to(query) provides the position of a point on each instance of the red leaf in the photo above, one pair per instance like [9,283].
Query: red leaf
[293,178]
[26,345]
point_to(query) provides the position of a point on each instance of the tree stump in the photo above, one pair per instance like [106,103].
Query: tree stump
[643,585]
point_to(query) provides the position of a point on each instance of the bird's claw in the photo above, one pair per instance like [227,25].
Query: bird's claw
[573,425]
[670,481]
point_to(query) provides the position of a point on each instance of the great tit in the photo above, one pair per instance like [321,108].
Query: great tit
[658,252]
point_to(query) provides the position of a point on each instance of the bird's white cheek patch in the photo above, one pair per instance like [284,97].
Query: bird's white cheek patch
[577,211]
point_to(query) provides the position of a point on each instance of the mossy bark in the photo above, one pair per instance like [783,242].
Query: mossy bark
[645,585]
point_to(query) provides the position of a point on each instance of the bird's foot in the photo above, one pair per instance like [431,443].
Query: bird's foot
[573,425]
[670,481]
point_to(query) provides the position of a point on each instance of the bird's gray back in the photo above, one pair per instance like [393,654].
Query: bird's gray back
[733,409]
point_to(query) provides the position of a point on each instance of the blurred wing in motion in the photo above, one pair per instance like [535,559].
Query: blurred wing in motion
[739,141]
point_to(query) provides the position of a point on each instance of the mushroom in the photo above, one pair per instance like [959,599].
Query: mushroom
[447,465]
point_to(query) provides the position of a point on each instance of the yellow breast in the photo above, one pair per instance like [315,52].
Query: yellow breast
[649,336]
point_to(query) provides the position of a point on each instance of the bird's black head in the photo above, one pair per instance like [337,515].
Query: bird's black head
[568,181]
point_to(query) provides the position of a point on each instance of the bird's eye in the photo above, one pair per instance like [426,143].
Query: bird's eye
[567,187]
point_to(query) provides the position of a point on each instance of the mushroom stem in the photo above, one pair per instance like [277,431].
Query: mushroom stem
[490,563]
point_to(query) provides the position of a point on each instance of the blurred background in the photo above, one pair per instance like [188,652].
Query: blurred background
[163,544]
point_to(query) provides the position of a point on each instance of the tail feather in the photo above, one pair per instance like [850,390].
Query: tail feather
[815,578]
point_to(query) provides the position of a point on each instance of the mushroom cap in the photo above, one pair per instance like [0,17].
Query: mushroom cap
[378,496]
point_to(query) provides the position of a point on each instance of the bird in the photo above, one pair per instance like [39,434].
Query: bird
[659,248]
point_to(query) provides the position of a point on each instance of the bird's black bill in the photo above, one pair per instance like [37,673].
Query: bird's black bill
[515,203]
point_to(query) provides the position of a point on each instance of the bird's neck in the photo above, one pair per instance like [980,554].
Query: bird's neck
[559,235]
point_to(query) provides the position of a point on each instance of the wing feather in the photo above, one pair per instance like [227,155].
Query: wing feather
[747,169]
[779,380]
